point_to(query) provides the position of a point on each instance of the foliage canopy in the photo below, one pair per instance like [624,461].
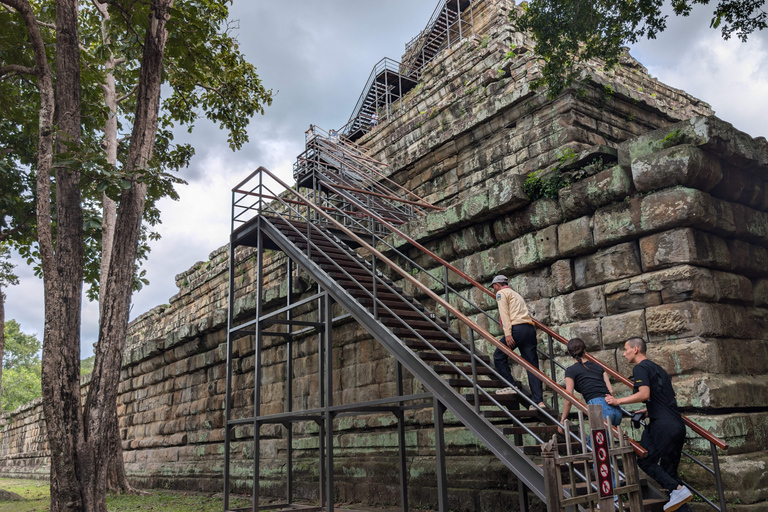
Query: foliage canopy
[571,31]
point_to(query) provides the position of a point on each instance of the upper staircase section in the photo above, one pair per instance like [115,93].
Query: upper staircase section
[447,24]
[390,80]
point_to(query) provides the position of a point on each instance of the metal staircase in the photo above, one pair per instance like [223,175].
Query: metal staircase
[390,80]
[339,231]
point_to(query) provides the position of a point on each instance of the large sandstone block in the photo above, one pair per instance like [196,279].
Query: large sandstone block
[609,264]
[575,237]
[617,223]
[676,207]
[684,245]
[721,391]
[579,305]
[679,165]
[710,133]
[748,259]
[686,319]
[589,194]
[561,276]
[616,329]
[587,330]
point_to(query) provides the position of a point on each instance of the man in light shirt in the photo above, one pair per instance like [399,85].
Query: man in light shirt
[520,333]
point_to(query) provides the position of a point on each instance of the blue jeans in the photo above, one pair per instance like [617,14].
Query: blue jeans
[613,412]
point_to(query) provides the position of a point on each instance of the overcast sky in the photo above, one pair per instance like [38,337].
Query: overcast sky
[317,57]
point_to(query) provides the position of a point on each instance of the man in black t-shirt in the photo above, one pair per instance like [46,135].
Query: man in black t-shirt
[665,435]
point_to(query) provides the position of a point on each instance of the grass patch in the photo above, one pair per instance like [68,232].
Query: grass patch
[36,494]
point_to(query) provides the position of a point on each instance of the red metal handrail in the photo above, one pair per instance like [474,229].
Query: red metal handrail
[641,452]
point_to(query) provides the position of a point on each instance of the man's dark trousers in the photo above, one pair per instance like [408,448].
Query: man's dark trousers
[664,442]
[525,340]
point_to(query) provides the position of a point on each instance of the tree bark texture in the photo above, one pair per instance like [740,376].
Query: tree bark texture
[63,278]
[116,477]
[78,437]
[100,408]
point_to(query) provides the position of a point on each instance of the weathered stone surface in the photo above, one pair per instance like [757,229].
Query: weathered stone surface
[674,207]
[679,165]
[507,194]
[718,391]
[710,133]
[579,305]
[587,330]
[616,329]
[589,194]
[684,245]
[761,292]
[609,264]
[617,223]
[686,319]
[575,237]
[747,259]
[562,276]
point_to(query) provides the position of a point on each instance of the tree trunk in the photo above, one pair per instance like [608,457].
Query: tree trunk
[116,477]
[100,408]
[62,269]
[63,278]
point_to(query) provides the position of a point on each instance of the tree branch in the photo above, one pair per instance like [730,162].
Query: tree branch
[16,69]
[128,94]
[45,144]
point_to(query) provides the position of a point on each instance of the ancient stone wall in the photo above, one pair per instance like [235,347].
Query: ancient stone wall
[662,232]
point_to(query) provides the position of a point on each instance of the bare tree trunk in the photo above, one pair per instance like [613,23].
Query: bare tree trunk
[116,478]
[62,269]
[116,295]
[63,278]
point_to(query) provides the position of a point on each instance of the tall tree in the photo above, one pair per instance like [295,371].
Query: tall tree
[199,61]
[568,32]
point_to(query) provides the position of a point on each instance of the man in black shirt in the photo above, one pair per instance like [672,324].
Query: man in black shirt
[665,435]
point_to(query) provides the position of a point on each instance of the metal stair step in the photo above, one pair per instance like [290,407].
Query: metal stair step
[438,345]
[454,358]
[440,368]
[427,334]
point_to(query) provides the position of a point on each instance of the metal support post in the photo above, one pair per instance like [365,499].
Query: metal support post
[458,8]
[328,340]
[447,296]
[228,395]
[442,478]
[553,370]
[475,389]
[289,385]
[257,370]
[522,489]
[718,476]
[401,440]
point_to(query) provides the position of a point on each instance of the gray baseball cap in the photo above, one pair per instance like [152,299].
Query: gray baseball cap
[500,280]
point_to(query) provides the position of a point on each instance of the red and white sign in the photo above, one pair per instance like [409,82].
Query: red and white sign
[602,463]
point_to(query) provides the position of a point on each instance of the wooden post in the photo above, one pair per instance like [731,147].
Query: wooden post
[552,486]
[597,423]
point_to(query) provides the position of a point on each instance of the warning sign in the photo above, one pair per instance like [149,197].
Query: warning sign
[602,462]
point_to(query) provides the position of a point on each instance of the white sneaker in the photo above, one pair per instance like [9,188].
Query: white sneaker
[506,391]
[677,498]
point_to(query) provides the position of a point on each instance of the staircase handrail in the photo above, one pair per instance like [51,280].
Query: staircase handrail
[692,425]
[639,450]
[346,147]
